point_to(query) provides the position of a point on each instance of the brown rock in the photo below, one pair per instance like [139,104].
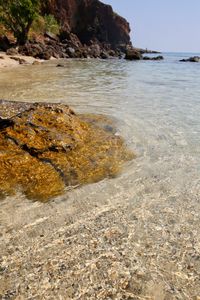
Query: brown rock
[89,20]
[133,54]
[36,63]
[48,145]
[12,51]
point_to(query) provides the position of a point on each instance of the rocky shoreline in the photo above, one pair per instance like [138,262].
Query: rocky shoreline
[88,29]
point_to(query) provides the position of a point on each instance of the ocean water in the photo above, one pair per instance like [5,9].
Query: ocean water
[156,105]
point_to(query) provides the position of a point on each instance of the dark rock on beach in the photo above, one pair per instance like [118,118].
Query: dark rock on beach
[12,51]
[5,43]
[191,59]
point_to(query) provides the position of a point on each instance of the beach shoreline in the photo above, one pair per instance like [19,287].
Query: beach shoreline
[12,61]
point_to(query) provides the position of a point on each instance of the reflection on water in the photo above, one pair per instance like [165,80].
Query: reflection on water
[155,202]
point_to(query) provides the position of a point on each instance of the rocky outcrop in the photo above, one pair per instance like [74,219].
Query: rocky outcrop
[91,21]
[46,148]
[132,54]
[89,28]
[191,59]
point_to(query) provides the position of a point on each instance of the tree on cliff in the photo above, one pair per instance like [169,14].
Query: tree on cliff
[18,16]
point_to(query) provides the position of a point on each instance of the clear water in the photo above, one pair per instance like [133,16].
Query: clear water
[157,107]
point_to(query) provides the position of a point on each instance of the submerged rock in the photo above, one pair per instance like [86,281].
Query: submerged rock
[45,148]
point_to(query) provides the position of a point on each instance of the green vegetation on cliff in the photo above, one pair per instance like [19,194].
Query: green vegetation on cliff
[18,16]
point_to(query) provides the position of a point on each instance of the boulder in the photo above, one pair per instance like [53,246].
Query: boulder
[12,51]
[36,63]
[51,36]
[191,59]
[47,147]
[46,55]
[132,54]
[32,49]
[71,52]
[104,55]
[4,43]
[113,53]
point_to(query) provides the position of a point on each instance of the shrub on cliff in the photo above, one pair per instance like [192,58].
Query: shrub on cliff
[18,16]
[43,24]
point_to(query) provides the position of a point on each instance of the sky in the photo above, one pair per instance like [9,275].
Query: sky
[165,25]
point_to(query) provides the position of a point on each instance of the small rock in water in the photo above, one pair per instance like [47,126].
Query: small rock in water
[160,57]
[191,59]
[60,65]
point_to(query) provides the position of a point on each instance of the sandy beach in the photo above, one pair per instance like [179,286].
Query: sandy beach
[10,61]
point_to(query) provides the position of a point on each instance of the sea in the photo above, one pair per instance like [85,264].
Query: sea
[156,106]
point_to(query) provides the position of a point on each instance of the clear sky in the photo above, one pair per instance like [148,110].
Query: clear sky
[165,25]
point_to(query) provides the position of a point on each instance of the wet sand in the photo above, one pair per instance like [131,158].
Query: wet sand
[10,61]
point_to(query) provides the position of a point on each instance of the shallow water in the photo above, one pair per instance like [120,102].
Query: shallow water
[157,107]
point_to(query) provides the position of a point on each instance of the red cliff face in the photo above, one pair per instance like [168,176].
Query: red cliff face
[91,20]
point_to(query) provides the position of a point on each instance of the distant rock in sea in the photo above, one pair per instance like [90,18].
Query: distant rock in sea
[191,59]
[132,54]
[160,57]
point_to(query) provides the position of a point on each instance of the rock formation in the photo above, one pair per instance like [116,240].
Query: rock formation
[45,148]
[89,28]
[91,21]
[133,54]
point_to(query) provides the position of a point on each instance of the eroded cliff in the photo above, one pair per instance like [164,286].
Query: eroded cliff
[91,21]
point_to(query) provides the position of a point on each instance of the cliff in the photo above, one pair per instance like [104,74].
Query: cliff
[88,28]
[91,21]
